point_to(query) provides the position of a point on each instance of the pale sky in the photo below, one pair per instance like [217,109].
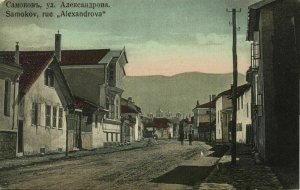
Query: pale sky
[161,37]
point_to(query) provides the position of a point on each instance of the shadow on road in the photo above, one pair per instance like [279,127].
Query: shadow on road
[185,175]
[219,150]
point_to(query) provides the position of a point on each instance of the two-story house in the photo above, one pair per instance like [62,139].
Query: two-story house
[96,76]
[205,120]
[9,89]
[243,118]
[223,116]
[274,30]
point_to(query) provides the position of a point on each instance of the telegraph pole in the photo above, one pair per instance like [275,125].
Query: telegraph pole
[234,87]
[210,97]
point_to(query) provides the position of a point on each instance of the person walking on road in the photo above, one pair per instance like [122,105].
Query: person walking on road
[190,138]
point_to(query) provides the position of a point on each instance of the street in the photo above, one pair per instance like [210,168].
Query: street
[166,165]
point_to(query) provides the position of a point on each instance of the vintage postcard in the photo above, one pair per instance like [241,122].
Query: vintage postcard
[149,94]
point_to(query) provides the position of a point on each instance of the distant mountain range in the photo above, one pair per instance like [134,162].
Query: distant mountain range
[178,93]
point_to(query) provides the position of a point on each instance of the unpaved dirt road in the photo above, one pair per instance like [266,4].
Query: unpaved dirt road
[167,165]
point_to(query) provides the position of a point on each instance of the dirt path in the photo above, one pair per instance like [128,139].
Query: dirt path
[134,169]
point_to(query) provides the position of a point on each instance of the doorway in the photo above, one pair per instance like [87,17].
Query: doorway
[20,136]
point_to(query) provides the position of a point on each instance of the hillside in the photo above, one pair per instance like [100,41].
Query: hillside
[177,93]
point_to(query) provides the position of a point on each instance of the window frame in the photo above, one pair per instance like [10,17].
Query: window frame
[54,117]
[60,118]
[49,77]
[48,115]
[34,113]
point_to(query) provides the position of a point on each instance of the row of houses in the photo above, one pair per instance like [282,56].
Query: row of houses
[64,99]
[212,120]
[268,105]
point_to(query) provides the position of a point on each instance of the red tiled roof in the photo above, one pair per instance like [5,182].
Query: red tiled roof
[82,57]
[32,62]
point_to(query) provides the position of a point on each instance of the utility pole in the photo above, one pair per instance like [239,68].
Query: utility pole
[234,87]
[210,97]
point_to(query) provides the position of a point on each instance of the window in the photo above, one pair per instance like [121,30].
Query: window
[96,120]
[111,72]
[242,102]
[106,137]
[34,114]
[117,109]
[7,95]
[116,136]
[112,137]
[239,127]
[259,105]
[247,110]
[238,103]
[60,118]
[49,77]
[54,116]
[48,116]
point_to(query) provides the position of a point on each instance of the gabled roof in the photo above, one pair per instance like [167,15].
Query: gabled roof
[240,90]
[211,104]
[83,57]
[33,63]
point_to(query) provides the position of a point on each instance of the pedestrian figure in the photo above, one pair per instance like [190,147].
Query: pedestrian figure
[181,137]
[169,136]
[190,138]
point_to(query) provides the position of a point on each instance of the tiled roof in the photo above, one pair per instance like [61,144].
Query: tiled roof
[240,90]
[128,109]
[87,106]
[158,123]
[207,105]
[82,57]
[32,62]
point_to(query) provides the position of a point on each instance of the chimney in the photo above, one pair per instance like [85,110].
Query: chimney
[17,54]
[58,45]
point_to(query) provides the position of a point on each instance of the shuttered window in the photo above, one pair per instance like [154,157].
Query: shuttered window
[35,114]
[54,116]
[60,118]
[48,115]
